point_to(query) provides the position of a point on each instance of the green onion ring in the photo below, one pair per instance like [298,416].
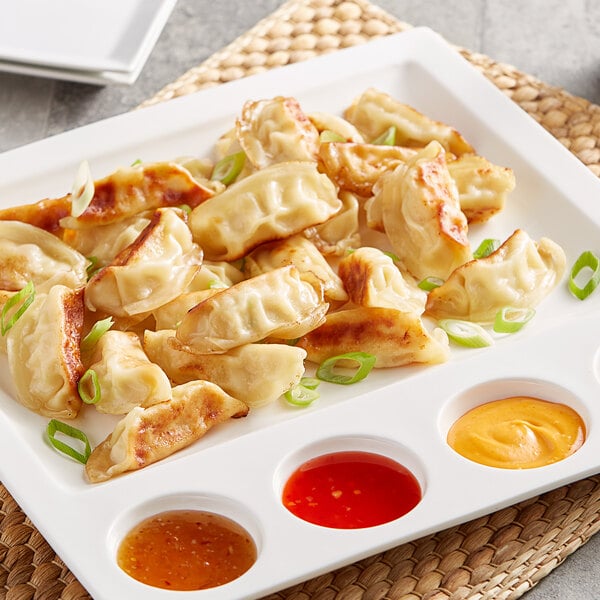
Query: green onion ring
[83,190]
[511,319]
[365,361]
[328,135]
[300,395]
[89,378]
[486,247]
[55,426]
[312,383]
[387,138]
[430,283]
[586,260]
[466,333]
[228,168]
[216,284]
[25,297]
[95,333]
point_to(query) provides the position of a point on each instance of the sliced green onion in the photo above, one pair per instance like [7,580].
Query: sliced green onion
[215,284]
[186,208]
[590,262]
[83,190]
[55,426]
[228,168]
[430,283]
[292,341]
[466,333]
[331,136]
[486,247]
[95,333]
[510,319]
[23,298]
[300,395]
[387,138]
[393,256]
[312,383]
[136,163]
[365,362]
[93,267]
[89,379]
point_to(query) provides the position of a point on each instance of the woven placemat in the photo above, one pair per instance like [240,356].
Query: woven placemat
[499,556]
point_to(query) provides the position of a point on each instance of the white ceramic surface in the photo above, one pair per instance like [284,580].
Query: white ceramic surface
[404,412]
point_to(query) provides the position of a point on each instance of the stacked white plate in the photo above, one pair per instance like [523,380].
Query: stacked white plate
[81,40]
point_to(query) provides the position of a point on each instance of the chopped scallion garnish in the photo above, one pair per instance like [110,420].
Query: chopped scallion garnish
[589,263]
[387,138]
[466,333]
[510,319]
[228,168]
[55,427]
[215,284]
[312,383]
[393,256]
[331,136]
[302,394]
[83,190]
[186,208]
[136,163]
[430,283]
[21,300]
[93,267]
[486,247]
[89,380]
[365,362]
[96,332]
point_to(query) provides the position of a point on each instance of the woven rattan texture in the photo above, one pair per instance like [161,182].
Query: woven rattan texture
[499,556]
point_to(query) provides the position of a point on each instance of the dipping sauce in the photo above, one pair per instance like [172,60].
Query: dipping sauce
[351,490]
[186,550]
[518,433]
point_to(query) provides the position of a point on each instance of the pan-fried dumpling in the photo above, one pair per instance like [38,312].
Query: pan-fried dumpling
[148,273]
[329,122]
[394,337]
[131,190]
[268,205]
[277,304]
[339,233]
[126,376]
[255,373]
[43,353]
[147,435]
[521,273]
[106,241]
[215,275]
[28,253]
[374,112]
[45,214]
[482,186]
[303,254]
[357,167]
[372,279]
[276,130]
[169,315]
[422,216]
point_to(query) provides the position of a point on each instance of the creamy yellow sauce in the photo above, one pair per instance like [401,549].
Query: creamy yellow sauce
[518,433]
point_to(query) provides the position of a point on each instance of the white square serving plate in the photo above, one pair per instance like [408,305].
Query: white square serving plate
[239,467]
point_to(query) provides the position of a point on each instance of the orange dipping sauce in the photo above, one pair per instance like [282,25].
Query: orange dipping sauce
[518,433]
[186,550]
[351,490]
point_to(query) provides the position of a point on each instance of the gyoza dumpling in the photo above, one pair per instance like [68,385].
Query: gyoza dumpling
[357,167]
[215,275]
[106,241]
[147,435]
[329,122]
[276,130]
[277,304]
[45,214]
[373,112]
[169,315]
[521,273]
[126,376]
[303,254]
[482,186]
[43,353]
[150,272]
[394,337]
[255,373]
[339,233]
[422,216]
[268,205]
[372,279]
[28,253]
[131,190]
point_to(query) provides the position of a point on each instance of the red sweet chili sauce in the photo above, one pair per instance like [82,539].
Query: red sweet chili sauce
[351,490]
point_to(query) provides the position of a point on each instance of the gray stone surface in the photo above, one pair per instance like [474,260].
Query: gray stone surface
[555,40]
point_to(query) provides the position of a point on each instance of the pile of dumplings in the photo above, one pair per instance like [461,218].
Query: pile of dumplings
[219,294]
